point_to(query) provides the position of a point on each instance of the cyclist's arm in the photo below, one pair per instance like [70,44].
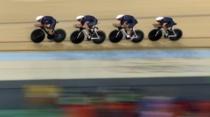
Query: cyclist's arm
[86,25]
[38,24]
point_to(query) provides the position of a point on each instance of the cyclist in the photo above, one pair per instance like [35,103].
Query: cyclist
[86,22]
[127,22]
[164,22]
[48,23]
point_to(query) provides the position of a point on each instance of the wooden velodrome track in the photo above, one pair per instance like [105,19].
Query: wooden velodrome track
[17,18]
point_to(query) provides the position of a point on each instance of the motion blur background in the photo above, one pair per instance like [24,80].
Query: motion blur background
[161,78]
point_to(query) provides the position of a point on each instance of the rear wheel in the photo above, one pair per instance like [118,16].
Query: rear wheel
[60,35]
[155,35]
[102,37]
[178,35]
[115,36]
[77,37]
[139,36]
[37,36]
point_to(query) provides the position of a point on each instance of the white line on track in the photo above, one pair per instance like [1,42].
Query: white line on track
[29,0]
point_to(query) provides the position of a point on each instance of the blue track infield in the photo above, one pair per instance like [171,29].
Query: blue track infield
[135,54]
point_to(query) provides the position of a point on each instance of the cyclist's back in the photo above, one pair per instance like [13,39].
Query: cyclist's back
[89,19]
[168,20]
[129,20]
[48,20]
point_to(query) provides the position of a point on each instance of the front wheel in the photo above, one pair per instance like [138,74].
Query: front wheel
[155,34]
[115,36]
[37,36]
[179,34]
[138,37]
[102,37]
[77,37]
[60,35]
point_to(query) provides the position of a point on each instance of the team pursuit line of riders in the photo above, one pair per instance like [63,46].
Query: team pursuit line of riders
[87,30]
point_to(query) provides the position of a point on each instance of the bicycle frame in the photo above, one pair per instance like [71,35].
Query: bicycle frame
[166,32]
[125,33]
[45,30]
[90,34]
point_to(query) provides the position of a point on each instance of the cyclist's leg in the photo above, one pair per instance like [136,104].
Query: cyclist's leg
[165,30]
[51,28]
[171,32]
[129,30]
[87,28]
[91,26]
[165,27]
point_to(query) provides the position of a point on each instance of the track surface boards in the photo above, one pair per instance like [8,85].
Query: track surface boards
[17,18]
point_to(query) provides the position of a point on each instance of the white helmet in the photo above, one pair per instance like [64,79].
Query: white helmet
[119,16]
[38,18]
[159,18]
[79,17]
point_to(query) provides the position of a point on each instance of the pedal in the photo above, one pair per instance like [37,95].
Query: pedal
[128,37]
[165,36]
[89,38]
